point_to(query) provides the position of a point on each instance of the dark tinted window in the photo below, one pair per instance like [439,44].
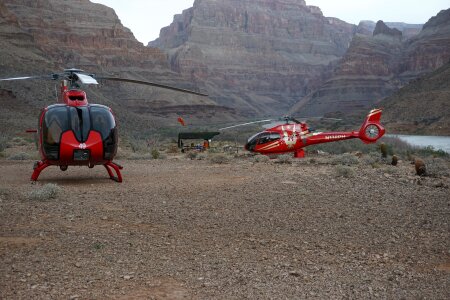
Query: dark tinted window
[55,123]
[267,137]
[80,122]
[103,122]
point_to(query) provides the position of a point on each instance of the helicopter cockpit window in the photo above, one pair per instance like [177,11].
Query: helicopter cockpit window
[55,123]
[267,137]
[80,122]
[104,123]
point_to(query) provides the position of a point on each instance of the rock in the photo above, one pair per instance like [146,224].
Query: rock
[258,56]
[375,67]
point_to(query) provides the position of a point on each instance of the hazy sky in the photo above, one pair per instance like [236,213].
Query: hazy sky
[146,17]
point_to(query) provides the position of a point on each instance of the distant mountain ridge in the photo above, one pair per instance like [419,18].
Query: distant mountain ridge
[257,56]
[376,66]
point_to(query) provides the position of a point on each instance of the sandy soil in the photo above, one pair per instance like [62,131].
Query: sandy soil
[181,229]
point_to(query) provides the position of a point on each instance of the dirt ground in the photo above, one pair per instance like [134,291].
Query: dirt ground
[189,229]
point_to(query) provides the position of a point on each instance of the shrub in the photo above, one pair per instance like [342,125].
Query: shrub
[260,159]
[394,161]
[140,156]
[47,192]
[202,156]
[437,167]
[372,159]
[284,159]
[155,154]
[20,156]
[384,150]
[219,159]
[3,142]
[192,155]
[344,171]
[421,168]
[345,159]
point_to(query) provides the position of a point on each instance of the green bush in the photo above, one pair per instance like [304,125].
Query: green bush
[155,154]
[47,192]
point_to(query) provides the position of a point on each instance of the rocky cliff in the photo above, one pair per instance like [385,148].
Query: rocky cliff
[408,30]
[43,36]
[376,66]
[422,106]
[257,56]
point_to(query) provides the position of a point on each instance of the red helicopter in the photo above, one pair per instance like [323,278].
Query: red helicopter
[294,135]
[76,133]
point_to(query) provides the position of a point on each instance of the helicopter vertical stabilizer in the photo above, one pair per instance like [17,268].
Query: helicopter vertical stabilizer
[372,130]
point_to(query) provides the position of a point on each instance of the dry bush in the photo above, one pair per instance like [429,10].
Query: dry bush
[372,159]
[47,192]
[437,167]
[202,156]
[346,159]
[260,159]
[284,159]
[140,156]
[172,149]
[394,161]
[20,156]
[3,142]
[345,171]
[219,159]
[192,155]
[421,168]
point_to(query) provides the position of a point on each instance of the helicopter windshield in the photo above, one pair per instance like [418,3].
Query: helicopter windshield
[80,120]
[261,138]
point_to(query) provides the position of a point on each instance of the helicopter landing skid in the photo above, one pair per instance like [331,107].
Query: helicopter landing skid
[39,166]
[116,168]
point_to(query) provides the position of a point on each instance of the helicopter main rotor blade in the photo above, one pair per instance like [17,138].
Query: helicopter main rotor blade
[152,84]
[245,124]
[28,77]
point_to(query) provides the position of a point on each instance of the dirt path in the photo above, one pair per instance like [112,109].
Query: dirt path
[181,229]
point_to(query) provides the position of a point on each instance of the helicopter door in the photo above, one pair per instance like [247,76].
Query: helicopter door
[55,123]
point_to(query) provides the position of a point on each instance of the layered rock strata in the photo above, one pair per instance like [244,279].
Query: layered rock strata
[259,56]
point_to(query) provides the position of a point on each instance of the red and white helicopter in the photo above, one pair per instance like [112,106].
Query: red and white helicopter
[294,135]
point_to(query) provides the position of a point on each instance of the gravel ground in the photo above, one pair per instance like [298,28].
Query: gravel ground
[182,229]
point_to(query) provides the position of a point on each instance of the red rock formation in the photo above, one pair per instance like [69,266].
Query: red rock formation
[41,36]
[375,67]
[255,56]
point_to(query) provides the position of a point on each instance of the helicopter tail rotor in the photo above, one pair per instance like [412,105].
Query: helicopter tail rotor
[372,130]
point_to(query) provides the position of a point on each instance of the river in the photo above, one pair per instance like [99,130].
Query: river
[437,142]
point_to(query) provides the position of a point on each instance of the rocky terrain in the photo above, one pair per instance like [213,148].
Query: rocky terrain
[47,36]
[189,229]
[408,30]
[256,56]
[376,66]
[421,107]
